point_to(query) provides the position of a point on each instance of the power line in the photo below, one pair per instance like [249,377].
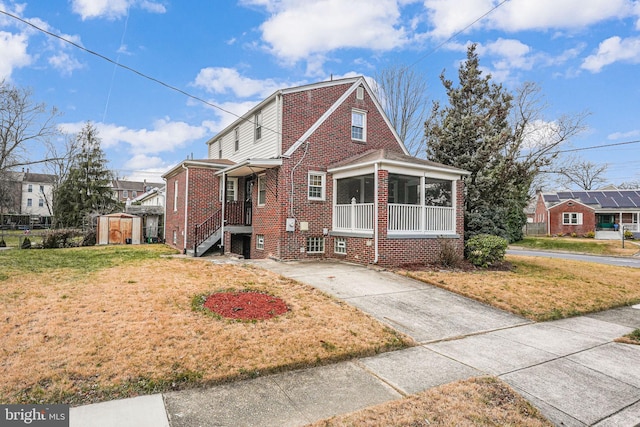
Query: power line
[593,147]
[457,33]
[133,70]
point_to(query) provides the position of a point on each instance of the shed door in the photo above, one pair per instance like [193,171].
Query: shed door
[115,235]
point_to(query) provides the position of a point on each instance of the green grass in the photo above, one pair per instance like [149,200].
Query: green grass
[81,259]
[588,246]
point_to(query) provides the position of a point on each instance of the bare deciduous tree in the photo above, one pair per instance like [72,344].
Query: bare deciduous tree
[403,94]
[582,174]
[24,124]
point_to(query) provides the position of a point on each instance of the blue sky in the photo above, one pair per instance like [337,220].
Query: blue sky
[584,54]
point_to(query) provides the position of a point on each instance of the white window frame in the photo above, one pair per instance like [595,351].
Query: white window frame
[29,188]
[41,203]
[262,190]
[315,245]
[236,137]
[29,203]
[569,217]
[175,196]
[125,193]
[260,242]
[220,148]
[322,186]
[340,245]
[359,113]
[233,191]
[257,126]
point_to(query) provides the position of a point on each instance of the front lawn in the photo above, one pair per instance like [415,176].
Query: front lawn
[543,288]
[91,324]
[581,245]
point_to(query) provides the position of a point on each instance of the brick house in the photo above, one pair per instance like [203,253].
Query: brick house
[315,171]
[580,212]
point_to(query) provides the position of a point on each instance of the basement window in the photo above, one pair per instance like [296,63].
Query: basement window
[315,245]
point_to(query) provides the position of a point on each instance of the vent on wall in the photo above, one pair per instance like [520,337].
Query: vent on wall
[360,93]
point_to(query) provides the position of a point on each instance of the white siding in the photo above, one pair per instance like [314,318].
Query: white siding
[36,195]
[266,148]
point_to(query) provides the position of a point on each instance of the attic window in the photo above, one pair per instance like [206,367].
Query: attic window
[360,93]
[570,204]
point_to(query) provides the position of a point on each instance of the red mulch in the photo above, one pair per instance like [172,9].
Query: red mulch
[246,305]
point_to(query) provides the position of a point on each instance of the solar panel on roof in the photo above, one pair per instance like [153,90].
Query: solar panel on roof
[565,195]
[551,198]
[607,202]
[635,200]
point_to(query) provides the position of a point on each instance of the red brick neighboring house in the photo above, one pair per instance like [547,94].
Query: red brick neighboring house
[580,212]
[315,171]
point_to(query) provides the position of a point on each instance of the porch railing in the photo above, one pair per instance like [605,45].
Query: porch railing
[421,219]
[402,218]
[356,217]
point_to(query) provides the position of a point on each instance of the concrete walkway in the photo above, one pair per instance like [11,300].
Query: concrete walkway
[570,369]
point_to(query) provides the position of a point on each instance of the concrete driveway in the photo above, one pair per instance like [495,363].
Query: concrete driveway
[422,311]
[633,262]
[570,369]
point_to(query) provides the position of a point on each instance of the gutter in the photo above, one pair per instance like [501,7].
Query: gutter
[186,211]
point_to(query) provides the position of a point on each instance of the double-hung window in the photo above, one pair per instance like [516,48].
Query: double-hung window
[236,138]
[316,185]
[358,125]
[262,190]
[232,189]
[571,218]
[257,122]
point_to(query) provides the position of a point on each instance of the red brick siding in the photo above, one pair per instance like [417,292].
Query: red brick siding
[556,227]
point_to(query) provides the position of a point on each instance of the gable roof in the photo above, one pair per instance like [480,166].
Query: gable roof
[598,199]
[354,83]
[391,156]
[359,81]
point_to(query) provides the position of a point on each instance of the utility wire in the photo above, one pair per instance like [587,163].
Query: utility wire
[117,64]
[593,147]
[456,34]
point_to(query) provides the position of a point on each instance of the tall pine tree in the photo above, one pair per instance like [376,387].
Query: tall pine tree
[86,192]
[473,133]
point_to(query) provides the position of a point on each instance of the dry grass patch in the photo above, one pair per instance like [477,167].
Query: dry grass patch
[632,338]
[544,288]
[129,329]
[476,402]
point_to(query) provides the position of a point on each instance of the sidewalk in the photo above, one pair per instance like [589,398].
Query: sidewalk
[570,369]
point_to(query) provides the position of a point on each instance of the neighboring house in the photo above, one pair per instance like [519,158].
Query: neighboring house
[124,190]
[37,194]
[150,207]
[27,199]
[580,212]
[315,171]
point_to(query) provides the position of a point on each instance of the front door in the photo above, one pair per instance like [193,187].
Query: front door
[246,247]
[248,197]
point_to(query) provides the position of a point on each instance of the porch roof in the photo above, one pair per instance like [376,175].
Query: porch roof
[250,166]
[386,156]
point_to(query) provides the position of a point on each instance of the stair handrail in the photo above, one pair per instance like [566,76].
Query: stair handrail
[206,229]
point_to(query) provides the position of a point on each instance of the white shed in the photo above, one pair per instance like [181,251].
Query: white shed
[118,229]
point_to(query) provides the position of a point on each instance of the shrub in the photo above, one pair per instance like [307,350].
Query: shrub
[484,250]
[61,238]
[449,255]
[590,234]
[574,234]
[628,234]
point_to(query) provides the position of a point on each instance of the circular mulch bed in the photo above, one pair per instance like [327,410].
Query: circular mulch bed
[247,305]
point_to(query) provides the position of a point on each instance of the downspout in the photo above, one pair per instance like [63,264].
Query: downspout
[376,182]
[224,204]
[185,231]
[548,222]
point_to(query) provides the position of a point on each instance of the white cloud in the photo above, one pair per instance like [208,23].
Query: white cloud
[449,17]
[222,80]
[164,135]
[64,63]
[14,53]
[613,49]
[112,9]
[302,30]
[624,135]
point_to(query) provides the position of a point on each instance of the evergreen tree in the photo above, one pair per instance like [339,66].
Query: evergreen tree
[473,133]
[86,191]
